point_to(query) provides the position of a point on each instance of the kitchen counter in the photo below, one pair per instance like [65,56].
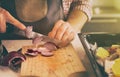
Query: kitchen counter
[12,45]
[105,19]
[105,12]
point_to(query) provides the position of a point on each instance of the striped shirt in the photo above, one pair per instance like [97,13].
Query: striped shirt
[83,5]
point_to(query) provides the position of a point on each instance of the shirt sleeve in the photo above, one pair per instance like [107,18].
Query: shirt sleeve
[83,5]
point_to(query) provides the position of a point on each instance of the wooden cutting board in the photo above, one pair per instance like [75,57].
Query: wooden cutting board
[64,62]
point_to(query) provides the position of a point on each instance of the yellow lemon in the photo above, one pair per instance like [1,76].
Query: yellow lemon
[116,67]
[102,52]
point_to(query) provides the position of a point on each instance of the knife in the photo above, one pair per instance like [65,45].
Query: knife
[29,33]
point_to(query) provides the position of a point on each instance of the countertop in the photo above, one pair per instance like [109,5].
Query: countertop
[13,45]
[104,19]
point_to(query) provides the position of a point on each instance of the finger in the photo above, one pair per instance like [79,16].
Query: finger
[56,27]
[2,24]
[12,20]
[68,40]
[60,32]
[67,34]
[15,22]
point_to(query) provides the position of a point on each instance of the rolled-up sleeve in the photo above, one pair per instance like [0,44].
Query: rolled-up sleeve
[83,5]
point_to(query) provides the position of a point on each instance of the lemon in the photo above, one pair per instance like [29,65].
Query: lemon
[116,67]
[102,52]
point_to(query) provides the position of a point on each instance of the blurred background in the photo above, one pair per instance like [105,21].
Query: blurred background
[106,17]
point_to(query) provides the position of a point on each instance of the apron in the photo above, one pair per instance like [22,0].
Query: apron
[44,25]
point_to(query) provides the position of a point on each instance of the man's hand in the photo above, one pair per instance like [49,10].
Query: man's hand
[5,16]
[62,31]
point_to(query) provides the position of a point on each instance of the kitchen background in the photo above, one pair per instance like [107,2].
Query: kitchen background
[106,17]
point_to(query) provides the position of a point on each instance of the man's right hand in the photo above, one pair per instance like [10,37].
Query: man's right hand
[5,16]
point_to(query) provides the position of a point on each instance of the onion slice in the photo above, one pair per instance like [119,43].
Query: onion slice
[32,52]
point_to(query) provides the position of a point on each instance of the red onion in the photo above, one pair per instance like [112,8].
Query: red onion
[13,58]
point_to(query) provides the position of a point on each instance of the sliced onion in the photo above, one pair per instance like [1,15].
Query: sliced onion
[47,53]
[32,52]
[42,49]
[51,46]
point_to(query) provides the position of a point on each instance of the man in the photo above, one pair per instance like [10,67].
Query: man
[59,19]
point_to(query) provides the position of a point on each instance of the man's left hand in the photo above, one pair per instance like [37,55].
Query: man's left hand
[63,32]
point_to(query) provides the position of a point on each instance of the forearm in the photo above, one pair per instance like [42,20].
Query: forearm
[79,13]
[77,19]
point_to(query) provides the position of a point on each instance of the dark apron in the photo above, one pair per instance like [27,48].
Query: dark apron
[45,25]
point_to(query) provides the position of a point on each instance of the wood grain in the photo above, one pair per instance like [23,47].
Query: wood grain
[64,62]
